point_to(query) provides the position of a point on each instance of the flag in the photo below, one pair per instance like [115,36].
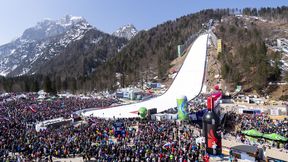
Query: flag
[32,109]
[167,144]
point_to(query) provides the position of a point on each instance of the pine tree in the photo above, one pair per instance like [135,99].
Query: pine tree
[35,86]
[48,85]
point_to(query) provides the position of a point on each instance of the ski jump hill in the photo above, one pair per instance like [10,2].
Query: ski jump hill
[188,82]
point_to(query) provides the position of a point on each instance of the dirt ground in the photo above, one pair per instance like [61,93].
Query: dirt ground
[279,91]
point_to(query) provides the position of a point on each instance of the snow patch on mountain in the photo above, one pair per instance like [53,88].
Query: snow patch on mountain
[126,31]
[96,40]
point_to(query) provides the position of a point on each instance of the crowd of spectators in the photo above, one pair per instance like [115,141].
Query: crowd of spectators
[93,138]
[20,113]
[260,122]
[264,124]
[236,123]
[29,109]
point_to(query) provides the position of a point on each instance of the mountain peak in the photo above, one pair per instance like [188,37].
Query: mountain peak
[48,28]
[68,20]
[127,31]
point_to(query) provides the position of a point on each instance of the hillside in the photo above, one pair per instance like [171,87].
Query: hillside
[249,57]
[80,58]
[149,53]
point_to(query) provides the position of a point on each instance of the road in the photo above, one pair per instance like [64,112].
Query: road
[188,82]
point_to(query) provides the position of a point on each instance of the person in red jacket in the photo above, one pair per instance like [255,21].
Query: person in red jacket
[160,156]
[206,158]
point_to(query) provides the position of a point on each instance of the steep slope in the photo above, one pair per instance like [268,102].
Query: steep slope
[250,57]
[82,57]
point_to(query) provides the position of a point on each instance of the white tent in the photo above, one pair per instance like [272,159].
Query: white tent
[41,92]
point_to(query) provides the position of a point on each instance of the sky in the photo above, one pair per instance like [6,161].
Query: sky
[108,15]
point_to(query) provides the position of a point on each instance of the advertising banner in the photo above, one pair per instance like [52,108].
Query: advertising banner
[182,108]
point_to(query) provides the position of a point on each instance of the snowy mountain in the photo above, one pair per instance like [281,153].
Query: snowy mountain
[40,44]
[82,57]
[49,28]
[126,31]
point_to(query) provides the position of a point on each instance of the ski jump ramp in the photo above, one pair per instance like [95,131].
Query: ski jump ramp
[188,82]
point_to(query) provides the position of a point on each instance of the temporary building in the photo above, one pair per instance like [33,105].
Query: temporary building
[163,117]
[253,133]
[275,137]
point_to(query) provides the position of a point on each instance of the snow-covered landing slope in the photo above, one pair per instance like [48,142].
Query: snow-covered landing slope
[188,82]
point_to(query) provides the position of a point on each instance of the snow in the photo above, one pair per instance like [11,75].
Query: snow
[6,60]
[32,60]
[76,18]
[69,20]
[14,67]
[284,65]
[188,82]
[4,73]
[95,41]
[42,46]
[12,51]
[126,31]
[24,71]
[24,56]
